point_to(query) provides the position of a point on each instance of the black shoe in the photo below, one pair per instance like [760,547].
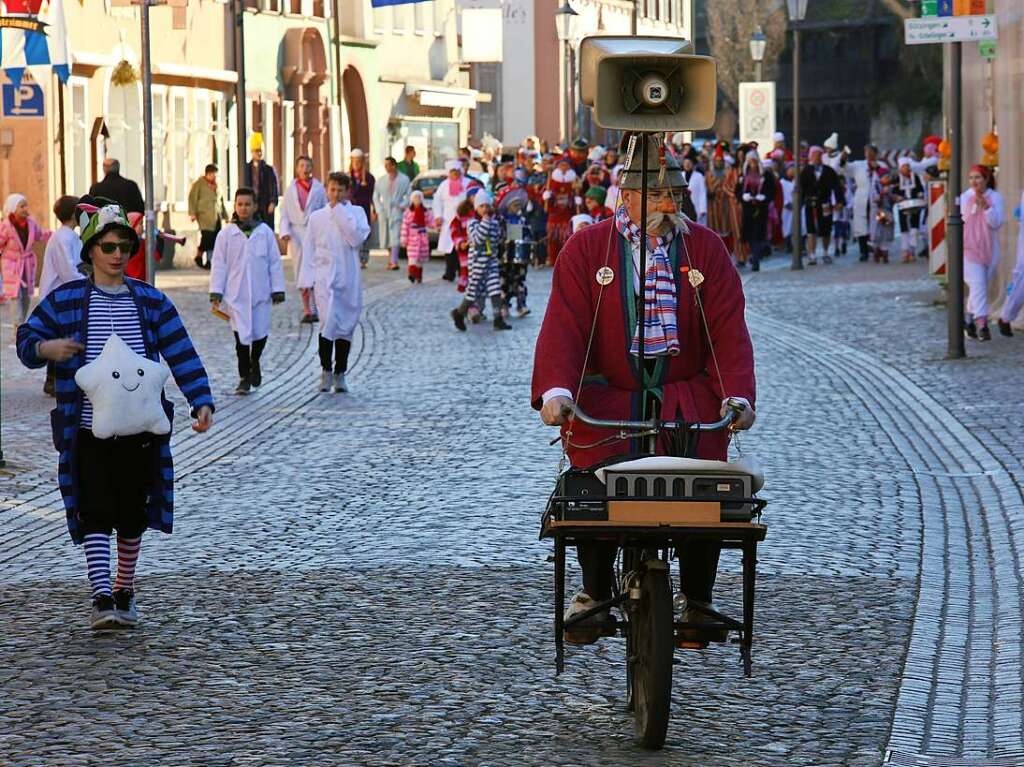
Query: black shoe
[984,334]
[500,324]
[199,261]
[255,374]
[244,387]
[125,611]
[459,320]
[971,328]
[1004,329]
[755,268]
[103,614]
[307,319]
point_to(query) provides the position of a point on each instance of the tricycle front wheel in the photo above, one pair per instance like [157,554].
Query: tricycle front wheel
[650,647]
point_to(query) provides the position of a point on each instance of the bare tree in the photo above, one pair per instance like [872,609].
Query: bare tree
[730,25]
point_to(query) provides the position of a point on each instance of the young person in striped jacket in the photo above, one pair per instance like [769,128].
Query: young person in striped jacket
[123,483]
[486,240]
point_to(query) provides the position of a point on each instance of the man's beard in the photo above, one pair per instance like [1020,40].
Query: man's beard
[660,223]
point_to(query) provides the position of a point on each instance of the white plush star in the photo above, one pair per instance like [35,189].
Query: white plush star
[124,388]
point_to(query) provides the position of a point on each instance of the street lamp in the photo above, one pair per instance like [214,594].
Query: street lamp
[797,11]
[563,28]
[758,42]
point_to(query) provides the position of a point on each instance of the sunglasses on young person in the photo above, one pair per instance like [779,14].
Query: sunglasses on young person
[125,246]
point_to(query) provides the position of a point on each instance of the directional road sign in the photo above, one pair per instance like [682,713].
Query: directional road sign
[950,29]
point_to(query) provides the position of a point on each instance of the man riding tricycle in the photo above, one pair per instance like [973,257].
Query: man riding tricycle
[647,392]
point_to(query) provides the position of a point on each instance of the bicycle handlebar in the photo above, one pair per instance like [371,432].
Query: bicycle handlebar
[735,408]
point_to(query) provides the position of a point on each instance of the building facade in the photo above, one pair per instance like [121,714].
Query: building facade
[403,82]
[193,107]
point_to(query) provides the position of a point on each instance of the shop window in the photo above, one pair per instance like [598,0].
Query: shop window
[159,145]
[398,19]
[419,18]
[179,147]
[80,177]
[435,141]
[381,21]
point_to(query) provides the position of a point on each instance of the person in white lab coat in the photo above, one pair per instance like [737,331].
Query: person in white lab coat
[982,209]
[246,277]
[304,196]
[61,261]
[1015,291]
[445,206]
[698,187]
[334,236]
[390,199]
[863,174]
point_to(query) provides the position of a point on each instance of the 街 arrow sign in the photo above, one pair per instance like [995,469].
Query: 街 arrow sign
[950,29]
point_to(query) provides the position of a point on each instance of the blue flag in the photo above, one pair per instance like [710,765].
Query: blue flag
[382,3]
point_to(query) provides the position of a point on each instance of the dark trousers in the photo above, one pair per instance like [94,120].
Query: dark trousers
[698,566]
[115,479]
[248,356]
[451,265]
[340,349]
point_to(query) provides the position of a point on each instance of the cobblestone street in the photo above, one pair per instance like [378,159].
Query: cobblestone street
[357,579]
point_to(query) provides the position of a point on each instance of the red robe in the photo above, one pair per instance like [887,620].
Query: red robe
[690,386]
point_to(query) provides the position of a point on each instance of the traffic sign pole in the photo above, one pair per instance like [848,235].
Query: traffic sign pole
[955,224]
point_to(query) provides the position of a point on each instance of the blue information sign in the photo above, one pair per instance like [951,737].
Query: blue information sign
[25,100]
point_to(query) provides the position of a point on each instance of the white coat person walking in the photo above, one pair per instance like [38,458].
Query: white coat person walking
[1015,291]
[334,236]
[862,173]
[305,196]
[246,277]
[390,199]
[445,203]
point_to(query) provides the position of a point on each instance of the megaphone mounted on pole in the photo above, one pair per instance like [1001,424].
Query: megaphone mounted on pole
[648,84]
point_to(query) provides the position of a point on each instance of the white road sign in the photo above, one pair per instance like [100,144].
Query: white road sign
[757,113]
[949,29]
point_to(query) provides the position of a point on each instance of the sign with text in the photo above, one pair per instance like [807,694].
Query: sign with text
[757,113]
[24,100]
[950,29]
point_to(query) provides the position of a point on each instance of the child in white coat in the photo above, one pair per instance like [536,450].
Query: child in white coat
[982,209]
[62,261]
[334,237]
[246,276]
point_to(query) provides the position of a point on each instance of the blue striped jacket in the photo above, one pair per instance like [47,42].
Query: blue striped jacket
[64,313]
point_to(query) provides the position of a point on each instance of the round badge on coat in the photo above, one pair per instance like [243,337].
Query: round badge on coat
[605,275]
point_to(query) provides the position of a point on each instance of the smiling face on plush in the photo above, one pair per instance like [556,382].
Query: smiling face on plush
[125,390]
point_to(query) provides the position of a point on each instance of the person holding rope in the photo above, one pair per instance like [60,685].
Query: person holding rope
[697,352]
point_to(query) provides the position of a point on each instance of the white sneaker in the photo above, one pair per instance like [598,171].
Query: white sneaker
[589,630]
[325,380]
[340,385]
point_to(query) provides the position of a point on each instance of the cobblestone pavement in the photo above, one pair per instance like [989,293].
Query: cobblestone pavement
[356,579]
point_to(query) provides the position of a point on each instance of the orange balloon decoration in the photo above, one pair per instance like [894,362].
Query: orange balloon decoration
[990,143]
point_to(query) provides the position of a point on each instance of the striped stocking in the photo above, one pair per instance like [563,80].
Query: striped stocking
[97,562]
[127,557]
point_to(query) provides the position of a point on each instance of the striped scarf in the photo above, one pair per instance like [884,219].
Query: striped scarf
[661,331]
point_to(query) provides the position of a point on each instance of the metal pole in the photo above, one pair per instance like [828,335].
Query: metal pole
[642,308]
[565,68]
[241,127]
[60,138]
[147,122]
[633,19]
[798,261]
[955,222]
[759,71]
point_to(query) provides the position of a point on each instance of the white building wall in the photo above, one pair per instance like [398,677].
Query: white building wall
[518,71]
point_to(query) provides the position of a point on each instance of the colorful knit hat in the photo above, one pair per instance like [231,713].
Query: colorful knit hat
[96,217]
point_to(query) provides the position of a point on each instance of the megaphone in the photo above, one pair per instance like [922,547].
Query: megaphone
[648,84]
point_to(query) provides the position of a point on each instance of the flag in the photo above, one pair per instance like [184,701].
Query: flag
[383,3]
[34,36]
